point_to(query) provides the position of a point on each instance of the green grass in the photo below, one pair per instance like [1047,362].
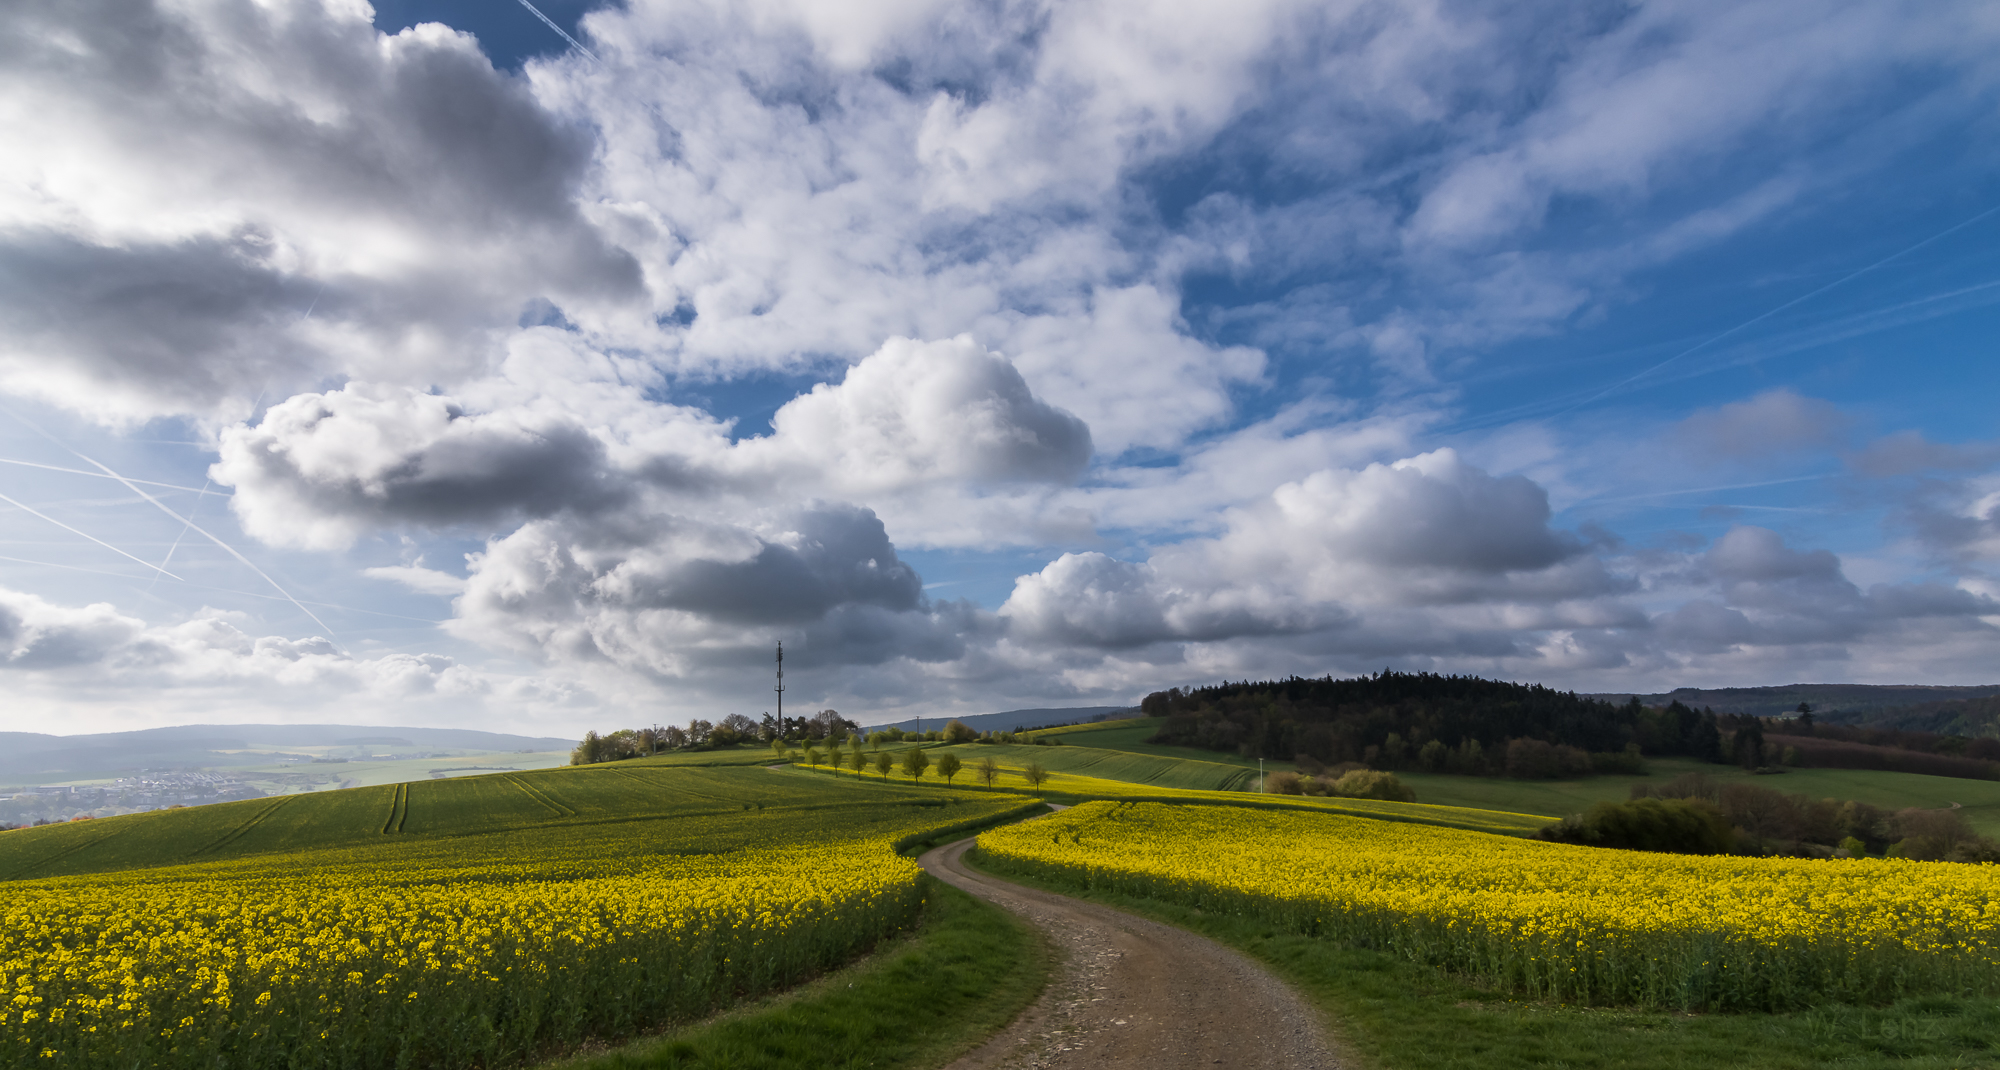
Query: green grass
[1130,736]
[1074,788]
[919,1002]
[1133,768]
[1398,1016]
[1556,798]
[571,798]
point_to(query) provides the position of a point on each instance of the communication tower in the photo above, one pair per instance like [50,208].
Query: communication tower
[781,685]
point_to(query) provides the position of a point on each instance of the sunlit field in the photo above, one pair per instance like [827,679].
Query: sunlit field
[584,903]
[1575,924]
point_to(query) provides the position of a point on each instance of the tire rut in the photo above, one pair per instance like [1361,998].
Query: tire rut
[1129,993]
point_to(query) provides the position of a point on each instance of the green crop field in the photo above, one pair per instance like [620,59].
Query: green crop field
[1130,735]
[1980,799]
[1075,787]
[1165,772]
[1554,799]
[649,790]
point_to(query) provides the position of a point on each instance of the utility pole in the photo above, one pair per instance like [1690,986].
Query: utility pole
[781,686]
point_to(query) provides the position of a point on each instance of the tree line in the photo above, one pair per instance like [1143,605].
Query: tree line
[1430,722]
[700,734]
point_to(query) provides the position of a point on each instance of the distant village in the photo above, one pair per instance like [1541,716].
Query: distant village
[24,807]
[21,807]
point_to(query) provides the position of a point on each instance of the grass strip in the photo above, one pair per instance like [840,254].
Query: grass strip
[1396,1015]
[967,970]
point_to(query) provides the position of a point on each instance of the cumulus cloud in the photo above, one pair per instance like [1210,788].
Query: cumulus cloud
[97,650]
[1776,422]
[918,414]
[188,181]
[913,422]
[1429,530]
[673,598]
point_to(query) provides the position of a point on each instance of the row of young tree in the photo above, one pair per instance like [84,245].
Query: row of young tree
[913,762]
[1449,724]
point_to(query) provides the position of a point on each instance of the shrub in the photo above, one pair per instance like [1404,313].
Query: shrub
[1283,784]
[1371,784]
[1532,759]
[1628,761]
[1674,826]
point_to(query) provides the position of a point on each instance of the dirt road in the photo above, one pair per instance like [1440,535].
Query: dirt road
[1131,993]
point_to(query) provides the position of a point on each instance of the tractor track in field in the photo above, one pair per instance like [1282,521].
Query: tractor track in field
[1128,993]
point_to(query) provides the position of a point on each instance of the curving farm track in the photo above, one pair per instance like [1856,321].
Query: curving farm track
[1129,993]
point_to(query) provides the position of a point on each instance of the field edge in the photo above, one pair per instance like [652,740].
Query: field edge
[969,967]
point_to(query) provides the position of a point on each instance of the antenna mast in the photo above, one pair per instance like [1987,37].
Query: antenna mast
[781,685]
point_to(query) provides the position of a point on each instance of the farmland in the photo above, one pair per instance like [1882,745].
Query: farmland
[1565,923]
[460,921]
[1074,787]
[1551,799]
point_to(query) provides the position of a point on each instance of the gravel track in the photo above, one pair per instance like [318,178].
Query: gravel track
[1133,993]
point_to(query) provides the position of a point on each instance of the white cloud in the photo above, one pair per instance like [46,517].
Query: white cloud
[172,205]
[417,578]
[97,664]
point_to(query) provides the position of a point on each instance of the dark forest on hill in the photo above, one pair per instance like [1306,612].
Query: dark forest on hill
[1427,721]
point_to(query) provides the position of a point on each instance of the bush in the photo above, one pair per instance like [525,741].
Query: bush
[1283,784]
[1674,826]
[1532,759]
[1370,784]
[1628,761]
[1937,836]
[957,731]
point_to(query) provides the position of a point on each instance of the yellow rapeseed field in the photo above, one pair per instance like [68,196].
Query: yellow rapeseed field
[441,954]
[1573,923]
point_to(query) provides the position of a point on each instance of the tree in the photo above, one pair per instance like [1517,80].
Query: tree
[915,761]
[1037,775]
[858,760]
[1805,717]
[1706,743]
[812,755]
[1750,743]
[948,767]
[883,763]
[957,731]
[989,771]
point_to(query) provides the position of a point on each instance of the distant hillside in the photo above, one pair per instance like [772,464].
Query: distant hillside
[1850,703]
[32,757]
[1013,719]
[1437,723]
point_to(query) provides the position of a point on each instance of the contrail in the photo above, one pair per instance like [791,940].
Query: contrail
[101,475]
[204,532]
[224,590]
[1600,395]
[182,534]
[162,507]
[31,509]
[573,43]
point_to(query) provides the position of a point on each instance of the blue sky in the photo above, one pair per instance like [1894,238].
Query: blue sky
[988,355]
